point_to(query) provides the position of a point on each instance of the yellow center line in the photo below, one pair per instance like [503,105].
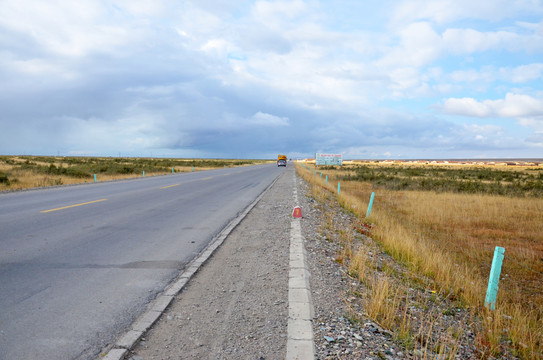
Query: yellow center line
[71,206]
[169,186]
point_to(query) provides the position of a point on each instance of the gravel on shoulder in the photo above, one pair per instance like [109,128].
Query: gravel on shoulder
[236,305]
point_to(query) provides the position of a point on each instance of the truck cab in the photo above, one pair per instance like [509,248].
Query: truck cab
[281,160]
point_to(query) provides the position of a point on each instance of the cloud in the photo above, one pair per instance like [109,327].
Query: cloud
[513,106]
[275,13]
[536,139]
[259,38]
[469,41]
[72,29]
[264,119]
[447,11]
[525,73]
[526,109]
[467,107]
[217,77]
[419,45]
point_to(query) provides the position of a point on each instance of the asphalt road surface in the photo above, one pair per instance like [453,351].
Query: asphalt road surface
[78,264]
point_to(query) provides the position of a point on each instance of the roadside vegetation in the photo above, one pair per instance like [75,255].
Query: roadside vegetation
[443,224]
[21,172]
[516,182]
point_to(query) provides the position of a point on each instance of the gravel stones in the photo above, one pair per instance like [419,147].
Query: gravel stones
[235,306]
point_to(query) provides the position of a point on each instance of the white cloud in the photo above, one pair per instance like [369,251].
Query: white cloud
[68,28]
[264,119]
[219,47]
[467,107]
[418,46]
[518,105]
[526,109]
[275,13]
[469,41]
[525,73]
[472,75]
[483,131]
[483,78]
[447,11]
[513,106]
[141,7]
[535,123]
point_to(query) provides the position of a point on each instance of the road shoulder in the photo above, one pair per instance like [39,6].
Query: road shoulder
[236,306]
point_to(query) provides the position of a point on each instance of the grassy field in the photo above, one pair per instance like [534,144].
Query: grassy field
[21,172]
[509,181]
[444,222]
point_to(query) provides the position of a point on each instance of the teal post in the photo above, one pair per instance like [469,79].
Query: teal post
[144,173]
[327,179]
[94,177]
[193,168]
[494,279]
[370,205]
[321,173]
[338,188]
[172,171]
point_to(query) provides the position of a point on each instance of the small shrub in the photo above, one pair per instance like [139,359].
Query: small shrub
[4,179]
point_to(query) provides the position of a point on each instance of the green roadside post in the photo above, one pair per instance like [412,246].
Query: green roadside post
[192,168]
[94,177]
[494,279]
[327,179]
[370,205]
[172,171]
[143,173]
[321,173]
[338,188]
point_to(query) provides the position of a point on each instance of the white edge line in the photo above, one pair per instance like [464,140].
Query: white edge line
[300,338]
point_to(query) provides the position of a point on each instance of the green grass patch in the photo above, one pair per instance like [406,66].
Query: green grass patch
[444,179]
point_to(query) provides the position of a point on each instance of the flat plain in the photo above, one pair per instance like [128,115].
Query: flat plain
[23,172]
[444,222]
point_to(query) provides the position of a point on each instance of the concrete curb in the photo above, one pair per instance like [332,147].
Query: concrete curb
[300,343]
[129,339]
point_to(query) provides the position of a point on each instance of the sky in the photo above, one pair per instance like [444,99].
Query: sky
[252,79]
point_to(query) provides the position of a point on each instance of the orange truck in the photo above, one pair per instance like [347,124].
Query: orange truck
[281,160]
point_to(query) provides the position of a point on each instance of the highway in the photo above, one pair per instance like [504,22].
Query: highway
[78,264]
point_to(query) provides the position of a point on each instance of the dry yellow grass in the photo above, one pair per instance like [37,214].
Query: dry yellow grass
[24,172]
[451,238]
[358,267]
[28,179]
